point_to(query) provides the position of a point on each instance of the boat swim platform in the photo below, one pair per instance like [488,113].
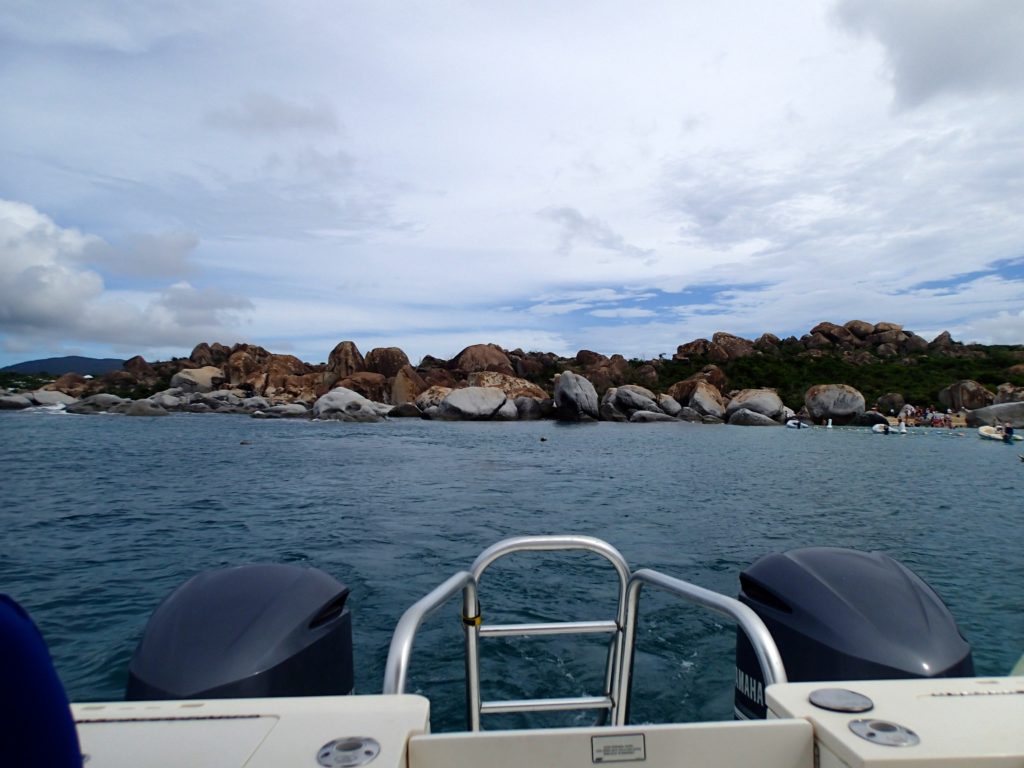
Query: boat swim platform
[957,723]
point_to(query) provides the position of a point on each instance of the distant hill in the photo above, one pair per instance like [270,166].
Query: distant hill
[58,366]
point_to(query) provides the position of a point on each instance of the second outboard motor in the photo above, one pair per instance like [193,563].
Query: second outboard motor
[244,632]
[839,614]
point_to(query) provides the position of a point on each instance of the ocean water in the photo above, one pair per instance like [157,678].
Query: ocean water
[103,516]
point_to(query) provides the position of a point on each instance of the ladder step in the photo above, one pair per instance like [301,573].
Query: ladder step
[546,705]
[553,628]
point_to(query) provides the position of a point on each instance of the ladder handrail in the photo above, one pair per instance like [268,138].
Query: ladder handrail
[761,640]
[397,666]
[619,671]
[472,619]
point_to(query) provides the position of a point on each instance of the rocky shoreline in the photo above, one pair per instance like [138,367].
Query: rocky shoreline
[486,382]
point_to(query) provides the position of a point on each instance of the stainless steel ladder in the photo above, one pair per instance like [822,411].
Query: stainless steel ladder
[622,630]
[476,629]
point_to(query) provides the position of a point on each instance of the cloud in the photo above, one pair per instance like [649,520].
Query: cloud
[270,115]
[579,229]
[410,173]
[40,282]
[49,296]
[623,312]
[144,255]
[933,48]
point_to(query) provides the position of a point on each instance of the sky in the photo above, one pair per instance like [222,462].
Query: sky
[619,177]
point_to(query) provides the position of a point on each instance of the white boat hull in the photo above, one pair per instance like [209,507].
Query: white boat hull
[996,433]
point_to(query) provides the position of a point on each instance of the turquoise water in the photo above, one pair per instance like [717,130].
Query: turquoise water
[103,516]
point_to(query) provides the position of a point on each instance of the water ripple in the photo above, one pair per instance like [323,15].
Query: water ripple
[103,517]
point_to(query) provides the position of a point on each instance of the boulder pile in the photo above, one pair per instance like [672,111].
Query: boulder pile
[487,382]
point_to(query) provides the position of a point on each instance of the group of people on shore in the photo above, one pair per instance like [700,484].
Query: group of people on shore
[914,416]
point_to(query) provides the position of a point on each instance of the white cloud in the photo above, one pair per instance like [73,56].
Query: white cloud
[49,296]
[159,255]
[268,114]
[968,46]
[623,312]
[415,172]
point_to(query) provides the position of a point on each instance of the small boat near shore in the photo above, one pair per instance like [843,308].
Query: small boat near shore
[998,433]
[907,693]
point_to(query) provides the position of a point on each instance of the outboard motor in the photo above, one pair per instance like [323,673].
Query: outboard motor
[244,632]
[839,614]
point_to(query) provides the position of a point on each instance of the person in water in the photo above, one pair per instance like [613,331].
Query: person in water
[1007,432]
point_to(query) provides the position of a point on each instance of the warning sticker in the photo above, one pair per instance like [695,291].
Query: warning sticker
[620,748]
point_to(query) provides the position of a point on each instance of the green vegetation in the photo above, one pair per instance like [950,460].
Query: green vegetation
[919,378]
[10,380]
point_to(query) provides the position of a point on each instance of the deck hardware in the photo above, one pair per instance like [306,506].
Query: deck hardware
[349,752]
[840,700]
[885,733]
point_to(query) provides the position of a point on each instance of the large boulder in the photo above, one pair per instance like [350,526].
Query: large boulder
[707,400]
[205,379]
[689,414]
[733,347]
[944,341]
[669,405]
[575,398]
[892,336]
[992,415]
[683,390]
[607,410]
[50,397]
[859,328]
[914,345]
[867,419]
[839,402]
[620,403]
[837,334]
[100,403]
[74,384]
[407,385]
[306,387]
[432,397]
[345,360]
[891,403]
[341,404]
[966,394]
[405,411]
[482,357]
[530,408]
[768,343]
[585,358]
[140,369]
[474,404]
[764,401]
[610,372]
[283,377]
[649,417]
[139,408]
[386,360]
[372,386]
[169,399]
[512,387]
[1008,393]
[14,402]
[745,417]
[283,411]
[245,365]
[206,354]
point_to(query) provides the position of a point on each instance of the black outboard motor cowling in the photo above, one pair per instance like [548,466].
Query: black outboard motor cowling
[244,632]
[839,614]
